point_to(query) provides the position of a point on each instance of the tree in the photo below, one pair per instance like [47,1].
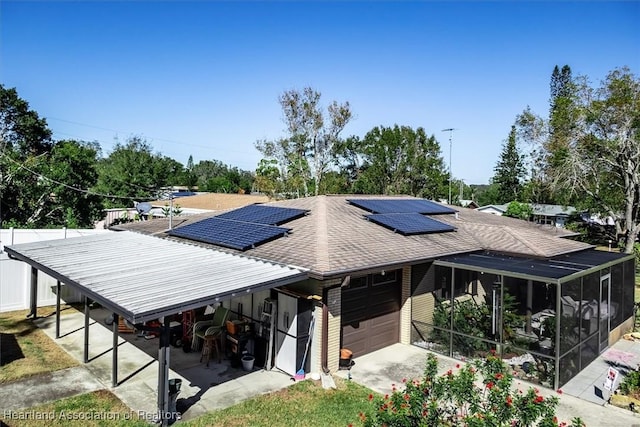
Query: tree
[305,155]
[563,112]
[25,140]
[133,172]
[519,210]
[509,171]
[611,149]
[564,120]
[67,201]
[190,178]
[213,175]
[598,167]
[21,129]
[533,130]
[401,160]
[268,178]
[348,157]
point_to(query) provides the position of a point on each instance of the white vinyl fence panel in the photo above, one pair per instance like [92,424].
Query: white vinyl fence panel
[15,276]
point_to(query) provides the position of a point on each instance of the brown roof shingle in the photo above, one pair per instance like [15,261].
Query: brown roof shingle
[335,237]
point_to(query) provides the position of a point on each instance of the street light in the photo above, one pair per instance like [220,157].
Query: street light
[450,130]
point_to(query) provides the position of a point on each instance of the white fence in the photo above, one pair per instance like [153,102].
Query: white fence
[15,276]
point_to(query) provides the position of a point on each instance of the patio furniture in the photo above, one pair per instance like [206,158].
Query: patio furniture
[211,343]
[204,328]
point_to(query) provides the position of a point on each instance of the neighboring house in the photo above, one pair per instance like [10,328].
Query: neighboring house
[188,205]
[555,215]
[493,209]
[470,204]
[373,271]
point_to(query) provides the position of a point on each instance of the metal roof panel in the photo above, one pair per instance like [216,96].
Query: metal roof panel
[143,277]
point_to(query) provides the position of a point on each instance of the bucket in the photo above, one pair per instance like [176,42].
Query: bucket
[247,362]
[345,358]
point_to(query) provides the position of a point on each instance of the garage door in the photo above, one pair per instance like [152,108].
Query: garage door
[371,312]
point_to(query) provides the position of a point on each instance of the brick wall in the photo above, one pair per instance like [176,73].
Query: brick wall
[334,303]
[405,306]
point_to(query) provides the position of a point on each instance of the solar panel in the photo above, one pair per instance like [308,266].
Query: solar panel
[410,223]
[228,233]
[387,206]
[262,214]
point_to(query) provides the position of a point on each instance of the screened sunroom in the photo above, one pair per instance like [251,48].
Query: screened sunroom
[547,318]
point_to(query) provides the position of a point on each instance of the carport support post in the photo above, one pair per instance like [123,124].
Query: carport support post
[86,329]
[34,293]
[58,287]
[163,372]
[114,360]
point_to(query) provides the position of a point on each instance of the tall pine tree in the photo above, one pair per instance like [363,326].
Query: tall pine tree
[509,171]
[563,113]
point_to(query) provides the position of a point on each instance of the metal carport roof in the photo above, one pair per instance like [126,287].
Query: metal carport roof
[143,278]
[560,268]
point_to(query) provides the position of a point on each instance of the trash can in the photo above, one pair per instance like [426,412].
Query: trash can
[174,391]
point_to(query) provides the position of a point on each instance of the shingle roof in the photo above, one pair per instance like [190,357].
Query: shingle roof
[335,237]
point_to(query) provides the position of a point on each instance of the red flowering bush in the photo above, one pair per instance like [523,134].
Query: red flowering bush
[478,394]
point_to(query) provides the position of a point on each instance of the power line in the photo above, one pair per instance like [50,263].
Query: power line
[172,141]
[79,190]
[174,149]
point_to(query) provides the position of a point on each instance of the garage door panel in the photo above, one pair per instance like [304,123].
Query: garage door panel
[357,337]
[384,307]
[388,320]
[356,315]
[370,317]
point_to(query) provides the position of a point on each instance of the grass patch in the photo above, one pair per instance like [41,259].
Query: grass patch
[305,403]
[25,350]
[98,408]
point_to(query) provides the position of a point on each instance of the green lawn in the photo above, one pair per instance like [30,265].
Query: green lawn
[25,350]
[305,403]
[99,408]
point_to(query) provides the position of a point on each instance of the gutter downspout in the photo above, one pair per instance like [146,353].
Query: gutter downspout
[324,349]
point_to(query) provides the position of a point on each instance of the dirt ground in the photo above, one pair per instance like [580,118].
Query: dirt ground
[216,201]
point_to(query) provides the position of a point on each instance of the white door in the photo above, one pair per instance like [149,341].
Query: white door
[286,336]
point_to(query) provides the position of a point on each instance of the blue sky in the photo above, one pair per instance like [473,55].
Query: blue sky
[202,78]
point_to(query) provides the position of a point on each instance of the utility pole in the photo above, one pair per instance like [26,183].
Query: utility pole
[450,130]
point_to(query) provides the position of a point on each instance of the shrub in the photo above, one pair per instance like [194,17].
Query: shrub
[631,384]
[477,394]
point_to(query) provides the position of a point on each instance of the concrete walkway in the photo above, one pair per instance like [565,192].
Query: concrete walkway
[201,390]
[47,387]
[383,368]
